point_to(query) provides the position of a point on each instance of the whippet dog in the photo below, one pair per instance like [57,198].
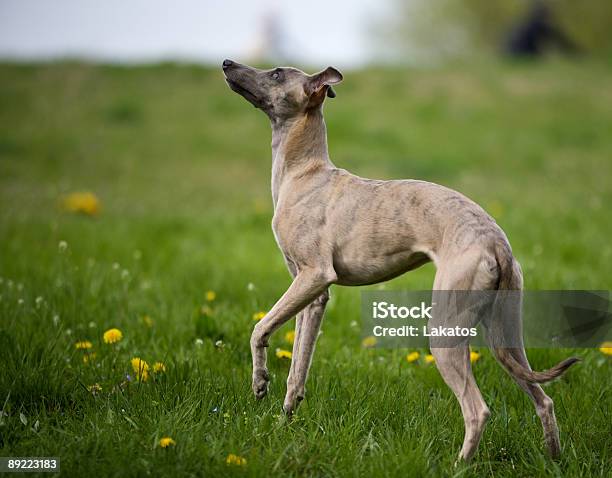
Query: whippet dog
[336,228]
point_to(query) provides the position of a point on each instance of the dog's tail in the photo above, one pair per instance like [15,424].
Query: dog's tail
[504,355]
[511,278]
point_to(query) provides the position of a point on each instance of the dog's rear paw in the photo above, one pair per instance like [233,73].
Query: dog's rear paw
[291,403]
[260,383]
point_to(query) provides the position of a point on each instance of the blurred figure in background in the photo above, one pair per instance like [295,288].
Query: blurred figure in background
[434,31]
[536,33]
[272,43]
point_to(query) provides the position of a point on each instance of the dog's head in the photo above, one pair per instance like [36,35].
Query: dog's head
[284,92]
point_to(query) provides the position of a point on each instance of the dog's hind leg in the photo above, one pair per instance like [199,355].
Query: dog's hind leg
[307,285]
[311,318]
[543,404]
[467,270]
[511,331]
[455,368]
[504,332]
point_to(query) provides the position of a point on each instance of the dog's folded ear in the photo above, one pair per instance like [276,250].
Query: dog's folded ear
[320,84]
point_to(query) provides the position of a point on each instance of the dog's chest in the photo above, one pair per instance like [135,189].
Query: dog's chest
[299,232]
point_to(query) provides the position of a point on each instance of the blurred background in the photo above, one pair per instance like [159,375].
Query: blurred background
[119,109]
[349,33]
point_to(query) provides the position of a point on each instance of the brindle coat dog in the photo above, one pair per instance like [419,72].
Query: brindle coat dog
[336,228]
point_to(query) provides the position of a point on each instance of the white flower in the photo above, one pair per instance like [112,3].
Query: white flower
[125,274]
[56,320]
[20,302]
[219,344]
[92,325]
[250,287]
[199,342]
[39,301]
[63,245]
[116,266]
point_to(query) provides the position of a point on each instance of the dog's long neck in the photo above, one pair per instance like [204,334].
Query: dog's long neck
[299,146]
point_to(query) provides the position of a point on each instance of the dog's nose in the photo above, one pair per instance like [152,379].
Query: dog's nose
[227,63]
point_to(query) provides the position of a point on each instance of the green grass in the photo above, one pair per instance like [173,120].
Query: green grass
[181,166]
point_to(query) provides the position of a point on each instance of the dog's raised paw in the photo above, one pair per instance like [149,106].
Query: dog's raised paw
[261,379]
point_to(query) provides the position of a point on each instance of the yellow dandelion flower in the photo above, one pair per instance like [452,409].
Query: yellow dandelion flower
[82,202]
[259,315]
[474,356]
[290,336]
[112,336]
[95,388]
[369,342]
[83,345]
[606,348]
[235,460]
[148,321]
[211,295]
[89,357]
[141,369]
[283,354]
[413,357]
[165,442]
[429,358]
[159,367]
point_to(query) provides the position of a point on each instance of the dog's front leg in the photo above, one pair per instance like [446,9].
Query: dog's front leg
[296,345]
[311,318]
[298,323]
[306,286]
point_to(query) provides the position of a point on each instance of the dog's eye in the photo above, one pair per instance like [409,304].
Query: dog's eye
[275,75]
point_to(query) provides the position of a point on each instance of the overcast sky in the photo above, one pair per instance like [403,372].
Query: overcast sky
[313,32]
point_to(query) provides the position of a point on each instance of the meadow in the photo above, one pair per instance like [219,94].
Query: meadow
[173,248]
